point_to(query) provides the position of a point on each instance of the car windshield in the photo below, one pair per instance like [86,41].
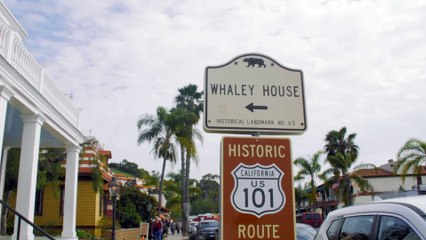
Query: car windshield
[209,224]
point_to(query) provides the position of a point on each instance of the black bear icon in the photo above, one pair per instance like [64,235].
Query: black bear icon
[254,61]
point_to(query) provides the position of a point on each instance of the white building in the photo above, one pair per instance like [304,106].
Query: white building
[34,113]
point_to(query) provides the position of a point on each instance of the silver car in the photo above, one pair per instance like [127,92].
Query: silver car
[305,231]
[395,219]
[193,227]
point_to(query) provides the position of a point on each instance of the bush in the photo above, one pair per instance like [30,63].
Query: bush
[84,234]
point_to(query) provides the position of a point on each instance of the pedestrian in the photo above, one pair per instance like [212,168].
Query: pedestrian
[165,227]
[158,229]
[151,229]
[172,226]
[177,228]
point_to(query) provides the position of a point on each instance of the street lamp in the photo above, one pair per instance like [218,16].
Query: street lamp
[114,192]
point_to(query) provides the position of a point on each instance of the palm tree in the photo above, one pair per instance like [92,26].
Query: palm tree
[300,195]
[337,142]
[190,104]
[309,168]
[189,98]
[161,131]
[340,172]
[342,153]
[411,158]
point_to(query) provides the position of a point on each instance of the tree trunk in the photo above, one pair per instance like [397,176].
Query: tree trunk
[160,191]
[314,195]
[419,182]
[186,195]
[183,182]
[349,190]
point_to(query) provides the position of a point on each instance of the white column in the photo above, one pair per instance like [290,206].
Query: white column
[70,201]
[5,96]
[27,179]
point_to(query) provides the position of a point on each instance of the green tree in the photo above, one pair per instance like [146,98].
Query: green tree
[160,130]
[201,206]
[309,168]
[205,194]
[134,207]
[337,142]
[96,171]
[190,100]
[210,188]
[173,193]
[126,167]
[342,154]
[300,195]
[411,158]
[50,170]
[340,170]
[152,179]
[11,183]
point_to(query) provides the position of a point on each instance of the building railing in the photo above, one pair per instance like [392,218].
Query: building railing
[26,65]
[22,218]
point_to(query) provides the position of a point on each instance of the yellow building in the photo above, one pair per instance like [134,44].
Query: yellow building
[94,208]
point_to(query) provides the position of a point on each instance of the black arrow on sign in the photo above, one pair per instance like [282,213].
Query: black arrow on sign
[252,107]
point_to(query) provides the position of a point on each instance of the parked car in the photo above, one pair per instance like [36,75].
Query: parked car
[396,219]
[311,218]
[305,231]
[207,229]
[193,227]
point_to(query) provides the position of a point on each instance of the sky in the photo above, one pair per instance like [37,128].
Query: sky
[363,65]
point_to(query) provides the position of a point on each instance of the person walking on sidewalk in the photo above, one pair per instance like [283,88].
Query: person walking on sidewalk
[177,227]
[158,229]
[172,226]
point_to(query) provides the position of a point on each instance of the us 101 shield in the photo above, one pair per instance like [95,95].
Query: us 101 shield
[257,189]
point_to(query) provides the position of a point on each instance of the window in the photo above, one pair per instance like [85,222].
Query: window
[333,230]
[102,203]
[38,209]
[392,228]
[357,228]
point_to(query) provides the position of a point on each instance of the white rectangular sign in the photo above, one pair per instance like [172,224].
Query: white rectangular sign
[254,94]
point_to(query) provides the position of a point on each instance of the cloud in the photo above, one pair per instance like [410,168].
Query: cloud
[363,63]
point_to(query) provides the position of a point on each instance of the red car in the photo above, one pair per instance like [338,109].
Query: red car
[311,218]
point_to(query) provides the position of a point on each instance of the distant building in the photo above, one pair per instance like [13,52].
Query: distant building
[385,183]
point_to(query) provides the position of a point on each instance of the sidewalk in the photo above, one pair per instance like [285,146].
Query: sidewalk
[175,237]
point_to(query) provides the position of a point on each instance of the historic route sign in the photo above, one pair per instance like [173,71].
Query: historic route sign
[257,199]
[254,94]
